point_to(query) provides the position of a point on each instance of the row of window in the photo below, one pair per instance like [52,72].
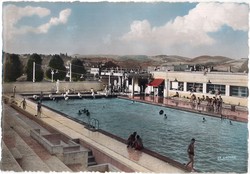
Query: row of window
[211,88]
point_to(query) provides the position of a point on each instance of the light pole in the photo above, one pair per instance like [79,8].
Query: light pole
[70,73]
[109,86]
[167,87]
[34,71]
[52,75]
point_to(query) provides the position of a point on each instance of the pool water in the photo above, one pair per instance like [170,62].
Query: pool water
[219,146]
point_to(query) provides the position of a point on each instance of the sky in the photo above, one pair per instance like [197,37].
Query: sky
[188,29]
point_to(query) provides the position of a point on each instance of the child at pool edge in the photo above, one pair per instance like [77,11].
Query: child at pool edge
[190,151]
[131,140]
[138,143]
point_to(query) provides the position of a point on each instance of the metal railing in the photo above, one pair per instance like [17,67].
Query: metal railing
[93,123]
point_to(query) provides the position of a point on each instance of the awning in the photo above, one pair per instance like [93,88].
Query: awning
[156,82]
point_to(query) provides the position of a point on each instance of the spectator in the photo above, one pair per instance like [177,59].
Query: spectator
[138,143]
[131,140]
[24,103]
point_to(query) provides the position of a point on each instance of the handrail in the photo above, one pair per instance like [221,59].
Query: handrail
[93,123]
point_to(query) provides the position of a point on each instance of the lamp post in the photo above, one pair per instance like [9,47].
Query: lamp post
[52,75]
[34,71]
[70,73]
[109,86]
[167,86]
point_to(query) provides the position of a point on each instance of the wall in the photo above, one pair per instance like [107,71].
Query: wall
[53,149]
[76,157]
[103,168]
[69,155]
[53,138]
[28,87]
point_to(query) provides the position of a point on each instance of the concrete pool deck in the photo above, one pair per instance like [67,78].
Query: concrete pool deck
[128,160]
[239,114]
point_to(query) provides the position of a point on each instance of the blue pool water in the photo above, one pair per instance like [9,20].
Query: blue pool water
[219,147]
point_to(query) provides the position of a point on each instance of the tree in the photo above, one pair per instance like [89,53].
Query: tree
[110,64]
[77,69]
[57,65]
[39,74]
[12,67]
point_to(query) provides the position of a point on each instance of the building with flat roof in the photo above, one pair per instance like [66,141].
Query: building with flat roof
[233,87]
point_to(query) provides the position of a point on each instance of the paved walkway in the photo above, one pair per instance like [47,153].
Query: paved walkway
[240,114]
[136,160]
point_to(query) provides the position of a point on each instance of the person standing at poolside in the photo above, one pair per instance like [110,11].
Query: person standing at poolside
[190,151]
[221,102]
[14,91]
[39,107]
[41,97]
[24,103]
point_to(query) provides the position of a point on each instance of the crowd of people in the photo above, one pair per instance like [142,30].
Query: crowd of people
[213,103]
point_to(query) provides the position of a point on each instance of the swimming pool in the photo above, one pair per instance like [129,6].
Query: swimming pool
[219,147]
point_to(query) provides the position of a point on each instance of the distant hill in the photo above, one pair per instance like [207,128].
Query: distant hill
[239,65]
[169,59]
[209,59]
[219,63]
[133,57]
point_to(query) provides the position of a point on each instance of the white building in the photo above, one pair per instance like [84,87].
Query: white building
[233,87]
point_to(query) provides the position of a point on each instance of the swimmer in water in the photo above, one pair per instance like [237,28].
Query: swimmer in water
[165,116]
[204,120]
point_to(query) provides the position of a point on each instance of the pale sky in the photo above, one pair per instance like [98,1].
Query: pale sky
[127,28]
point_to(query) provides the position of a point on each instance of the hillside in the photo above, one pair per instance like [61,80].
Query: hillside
[142,61]
[209,59]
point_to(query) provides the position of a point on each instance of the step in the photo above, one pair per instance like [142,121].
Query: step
[30,161]
[90,153]
[22,120]
[91,159]
[16,154]
[52,162]
[92,163]
[22,125]
[8,162]
[57,165]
